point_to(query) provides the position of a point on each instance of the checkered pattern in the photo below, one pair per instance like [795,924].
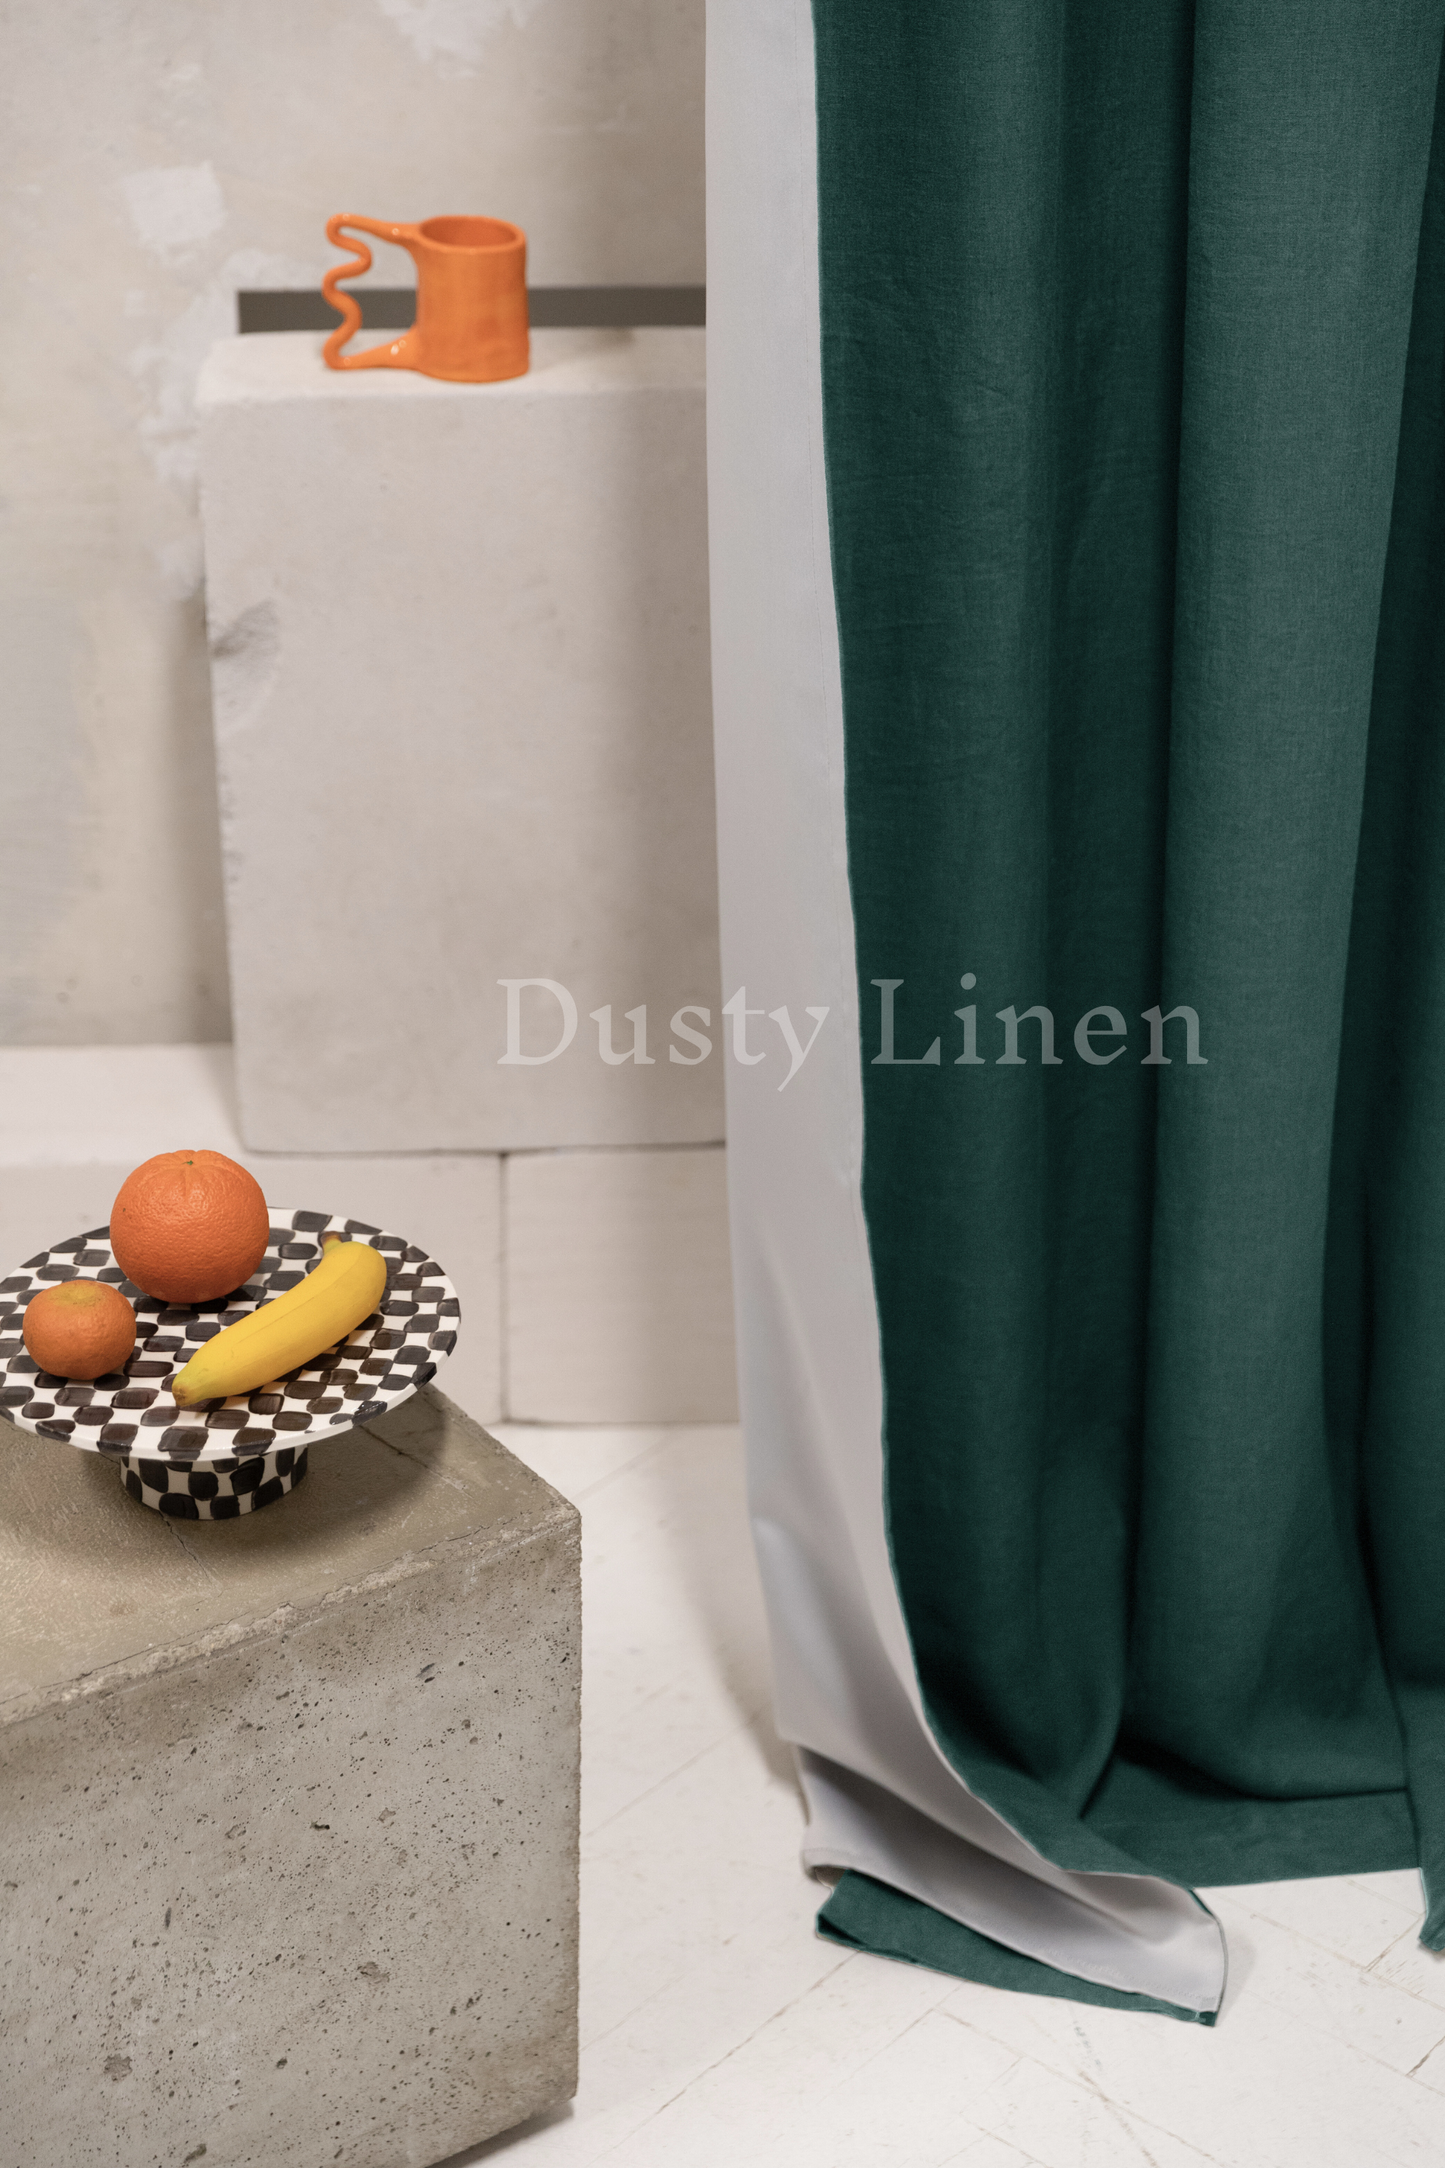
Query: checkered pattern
[131,1414]
[220,1491]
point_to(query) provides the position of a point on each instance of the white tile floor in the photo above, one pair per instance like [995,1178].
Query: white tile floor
[717,2030]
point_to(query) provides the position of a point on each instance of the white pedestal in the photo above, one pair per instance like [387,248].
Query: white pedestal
[460,664]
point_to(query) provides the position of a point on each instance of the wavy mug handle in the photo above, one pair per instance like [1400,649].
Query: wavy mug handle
[374,357]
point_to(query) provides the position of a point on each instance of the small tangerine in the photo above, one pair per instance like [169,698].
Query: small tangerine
[79,1329]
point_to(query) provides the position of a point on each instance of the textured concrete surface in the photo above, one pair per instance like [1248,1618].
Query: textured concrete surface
[461,674]
[291,1818]
[158,159]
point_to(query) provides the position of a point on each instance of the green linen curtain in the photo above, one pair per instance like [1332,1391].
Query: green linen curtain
[1133,355]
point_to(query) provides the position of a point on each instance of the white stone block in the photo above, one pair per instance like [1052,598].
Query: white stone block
[460,661]
[75,1120]
[449,1203]
[618,1288]
[290,1809]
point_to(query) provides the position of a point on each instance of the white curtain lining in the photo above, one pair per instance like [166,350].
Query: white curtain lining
[882,1795]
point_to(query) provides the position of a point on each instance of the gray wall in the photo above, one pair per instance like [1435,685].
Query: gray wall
[159,156]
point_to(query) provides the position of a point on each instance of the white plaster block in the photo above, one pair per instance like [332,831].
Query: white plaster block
[75,1120]
[618,1289]
[290,1808]
[460,662]
[61,1105]
[450,1203]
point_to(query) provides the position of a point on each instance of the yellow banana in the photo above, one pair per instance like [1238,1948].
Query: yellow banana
[282,1335]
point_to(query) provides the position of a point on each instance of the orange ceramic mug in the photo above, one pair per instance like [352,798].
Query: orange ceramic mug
[471,299]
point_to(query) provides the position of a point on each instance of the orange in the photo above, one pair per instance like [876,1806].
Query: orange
[189,1225]
[79,1328]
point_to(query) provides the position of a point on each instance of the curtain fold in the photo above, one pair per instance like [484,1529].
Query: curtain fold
[1078,503]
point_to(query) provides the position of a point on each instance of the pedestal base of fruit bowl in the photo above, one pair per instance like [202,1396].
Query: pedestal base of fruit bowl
[213,1490]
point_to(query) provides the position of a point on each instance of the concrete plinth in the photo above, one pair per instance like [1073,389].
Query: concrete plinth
[463,730]
[290,1809]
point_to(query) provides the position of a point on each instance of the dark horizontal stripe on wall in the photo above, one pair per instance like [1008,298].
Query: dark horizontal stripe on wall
[554,308]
